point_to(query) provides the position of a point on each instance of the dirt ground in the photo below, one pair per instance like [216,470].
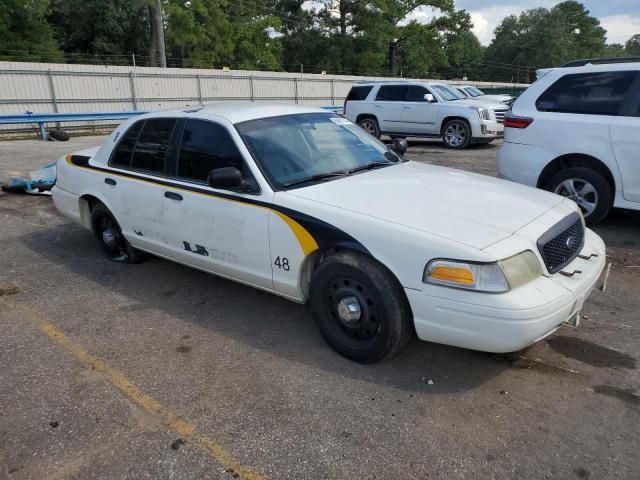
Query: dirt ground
[159,371]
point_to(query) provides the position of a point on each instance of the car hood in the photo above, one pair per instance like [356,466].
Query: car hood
[473,209]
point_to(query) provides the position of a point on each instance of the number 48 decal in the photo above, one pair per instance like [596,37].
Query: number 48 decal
[282,263]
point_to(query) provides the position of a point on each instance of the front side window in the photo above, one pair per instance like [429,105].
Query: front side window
[294,149]
[206,146]
[392,93]
[417,93]
[153,142]
[599,93]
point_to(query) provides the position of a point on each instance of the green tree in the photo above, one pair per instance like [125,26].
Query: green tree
[99,30]
[632,47]
[543,38]
[24,33]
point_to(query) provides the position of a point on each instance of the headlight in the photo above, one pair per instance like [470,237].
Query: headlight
[483,113]
[495,277]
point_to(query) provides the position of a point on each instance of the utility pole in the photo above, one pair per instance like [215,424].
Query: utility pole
[160,33]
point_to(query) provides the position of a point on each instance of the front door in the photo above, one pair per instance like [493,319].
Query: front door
[418,115]
[221,231]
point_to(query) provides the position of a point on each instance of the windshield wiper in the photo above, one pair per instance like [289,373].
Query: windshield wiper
[368,166]
[317,177]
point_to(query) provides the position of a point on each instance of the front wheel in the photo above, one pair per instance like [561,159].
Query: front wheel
[588,188]
[109,234]
[456,134]
[360,309]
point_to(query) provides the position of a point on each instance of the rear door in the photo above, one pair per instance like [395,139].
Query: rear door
[222,231]
[418,115]
[625,140]
[134,193]
[388,107]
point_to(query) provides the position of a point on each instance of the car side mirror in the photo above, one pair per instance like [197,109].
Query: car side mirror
[225,177]
[429,97]
[399,146]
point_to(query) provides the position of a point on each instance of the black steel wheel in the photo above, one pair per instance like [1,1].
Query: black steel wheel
[109,234]
[359,307]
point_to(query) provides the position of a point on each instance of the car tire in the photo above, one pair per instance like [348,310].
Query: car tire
[360,309]
[109,234]
[456,134]
[58,135]
[370,125]
[588,188]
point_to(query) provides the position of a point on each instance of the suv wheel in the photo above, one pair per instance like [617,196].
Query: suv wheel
[456,134]
[370,125]
[588,188]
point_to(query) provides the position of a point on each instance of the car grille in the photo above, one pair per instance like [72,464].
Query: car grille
[562,243]
[500,115]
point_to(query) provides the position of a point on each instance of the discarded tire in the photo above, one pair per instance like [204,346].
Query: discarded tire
[58,135]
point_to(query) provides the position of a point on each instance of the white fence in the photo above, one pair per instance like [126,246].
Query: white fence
[64,88]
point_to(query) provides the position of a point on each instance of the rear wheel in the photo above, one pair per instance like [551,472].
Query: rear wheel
[109,234]
[360,308]
[588,188]
[370,125]
[456,134]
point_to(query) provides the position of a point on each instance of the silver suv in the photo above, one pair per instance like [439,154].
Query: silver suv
[421,109]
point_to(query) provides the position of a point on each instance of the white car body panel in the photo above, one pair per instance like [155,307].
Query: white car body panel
[402,215]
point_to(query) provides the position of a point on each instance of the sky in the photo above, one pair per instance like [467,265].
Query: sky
[621,18]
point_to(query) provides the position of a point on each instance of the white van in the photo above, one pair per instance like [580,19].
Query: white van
[575,132]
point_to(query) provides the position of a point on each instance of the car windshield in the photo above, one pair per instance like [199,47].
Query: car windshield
[475,92]
[310,147]
[448,93]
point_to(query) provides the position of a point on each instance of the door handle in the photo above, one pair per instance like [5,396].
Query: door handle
[110,181]
[407,107]
[377,106]
[173,196]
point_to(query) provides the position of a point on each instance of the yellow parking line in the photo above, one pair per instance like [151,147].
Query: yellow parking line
[185,429]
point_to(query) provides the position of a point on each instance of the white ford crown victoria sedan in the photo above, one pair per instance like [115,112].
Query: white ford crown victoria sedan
[303,203]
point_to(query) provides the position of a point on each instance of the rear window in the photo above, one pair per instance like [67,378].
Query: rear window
[359,93]
[587,93]
[393,93]
[152,145]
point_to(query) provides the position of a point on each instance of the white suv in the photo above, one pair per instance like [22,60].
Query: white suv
[418,109]
[470,91]
[575,132]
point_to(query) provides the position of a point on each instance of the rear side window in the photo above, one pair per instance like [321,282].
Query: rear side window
[206,146]
[359,93]
[587,93]
[123,153]
[392,93]
[153,142]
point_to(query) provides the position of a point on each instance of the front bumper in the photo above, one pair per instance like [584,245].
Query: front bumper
[489,129]
[510,321]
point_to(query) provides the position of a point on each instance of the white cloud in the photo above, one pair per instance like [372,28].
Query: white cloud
[620,27]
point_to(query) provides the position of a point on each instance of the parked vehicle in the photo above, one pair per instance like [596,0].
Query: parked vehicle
[303,203]
[474,92]
[575,132]
[419,109]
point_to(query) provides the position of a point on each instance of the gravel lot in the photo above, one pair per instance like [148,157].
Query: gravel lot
[158,371]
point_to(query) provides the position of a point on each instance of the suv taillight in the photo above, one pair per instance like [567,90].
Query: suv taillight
[515,121]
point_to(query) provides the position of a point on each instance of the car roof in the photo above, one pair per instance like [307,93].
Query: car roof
[238,112]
